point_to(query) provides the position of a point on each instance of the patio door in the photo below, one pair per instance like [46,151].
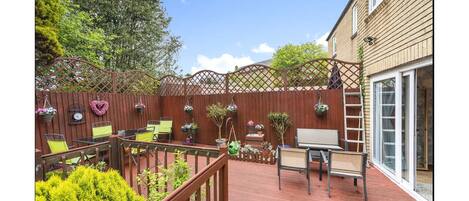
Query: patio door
[407,125]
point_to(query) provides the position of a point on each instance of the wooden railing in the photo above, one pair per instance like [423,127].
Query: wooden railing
[209,183]
[48,162]
[217,171]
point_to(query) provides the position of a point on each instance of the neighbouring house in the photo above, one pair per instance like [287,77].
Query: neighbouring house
[394,40]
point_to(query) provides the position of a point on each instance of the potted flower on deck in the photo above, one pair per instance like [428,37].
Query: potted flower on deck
[217,113]
[280,122]
[190,129]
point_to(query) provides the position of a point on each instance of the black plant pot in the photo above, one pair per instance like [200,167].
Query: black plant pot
[321,113]
[140,109]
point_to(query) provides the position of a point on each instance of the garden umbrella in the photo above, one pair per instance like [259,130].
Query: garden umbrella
[335,82]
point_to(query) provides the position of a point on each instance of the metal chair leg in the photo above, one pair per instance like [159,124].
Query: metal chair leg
[309,182]
[355,184]
[364,188]
[279,188]
[320,168]
[328,184]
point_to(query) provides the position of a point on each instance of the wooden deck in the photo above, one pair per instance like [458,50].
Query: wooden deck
[252,181]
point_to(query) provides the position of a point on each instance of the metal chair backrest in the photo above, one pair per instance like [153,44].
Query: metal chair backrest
[317,136]
[56,142]
[102,129]
[347,162]
[166,124]
[293,157]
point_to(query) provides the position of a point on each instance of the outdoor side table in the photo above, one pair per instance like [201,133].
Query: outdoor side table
[315,150]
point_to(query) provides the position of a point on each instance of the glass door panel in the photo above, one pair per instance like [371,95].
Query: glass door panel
[384,123]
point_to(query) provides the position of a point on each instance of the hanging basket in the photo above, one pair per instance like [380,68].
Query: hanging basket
[140,107]
[320,108]
[47,117]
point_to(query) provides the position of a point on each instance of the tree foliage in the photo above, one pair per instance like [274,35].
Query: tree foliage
[48,15]
[294,55]
[140,35]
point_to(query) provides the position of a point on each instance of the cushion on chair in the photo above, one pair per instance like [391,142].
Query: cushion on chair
[57,146]
[155,126]
[102,131]
[165,126]
[346,163]
[143,137]
[317,136]
[293,157]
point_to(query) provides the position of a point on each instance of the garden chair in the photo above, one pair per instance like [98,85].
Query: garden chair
[57,144]
[293,159]
[155,124]
[346,164]
[102,129]
[142,135]
[166,127]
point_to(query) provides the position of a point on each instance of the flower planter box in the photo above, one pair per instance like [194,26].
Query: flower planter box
[262,157]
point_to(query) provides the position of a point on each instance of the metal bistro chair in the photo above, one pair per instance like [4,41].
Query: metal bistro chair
[58,144]
[166,127]
[346,164]
[142,135]
[101,129]
[155,124]
[294,159]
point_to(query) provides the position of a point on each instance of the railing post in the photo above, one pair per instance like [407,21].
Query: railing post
[223,176]
[114,161]
[39,169]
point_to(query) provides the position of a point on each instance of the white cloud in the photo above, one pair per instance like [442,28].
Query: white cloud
[322,40]
[263,48]
[226,62]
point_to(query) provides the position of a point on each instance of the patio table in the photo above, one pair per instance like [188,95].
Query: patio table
[90,140]
[318,148]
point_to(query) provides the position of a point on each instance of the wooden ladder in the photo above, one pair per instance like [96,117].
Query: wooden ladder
[360,129]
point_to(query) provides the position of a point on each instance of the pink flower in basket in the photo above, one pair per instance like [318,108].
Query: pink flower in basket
[250,123]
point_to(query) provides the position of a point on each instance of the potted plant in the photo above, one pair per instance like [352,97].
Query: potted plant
[188,109]
[259,128]
[320,108]
[280,123]
[217,113]
[46,113]
[190,129]
[140,107]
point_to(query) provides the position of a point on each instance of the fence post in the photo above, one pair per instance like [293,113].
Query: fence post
[285,79]
[227,83]
[223,176]
[113,82]
[114,161]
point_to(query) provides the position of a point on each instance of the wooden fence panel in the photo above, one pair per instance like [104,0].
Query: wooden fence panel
[255,106]
[121,113]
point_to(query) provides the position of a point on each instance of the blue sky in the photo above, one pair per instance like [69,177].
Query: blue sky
[219,34]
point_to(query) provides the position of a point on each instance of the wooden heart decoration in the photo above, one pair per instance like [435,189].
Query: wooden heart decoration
[99,107]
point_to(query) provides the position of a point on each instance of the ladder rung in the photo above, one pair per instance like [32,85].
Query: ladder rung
[353,93]
[353,105]
[355,141]
[354,117]
[355,129]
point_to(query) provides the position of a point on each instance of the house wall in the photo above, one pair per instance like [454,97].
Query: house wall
[403,32]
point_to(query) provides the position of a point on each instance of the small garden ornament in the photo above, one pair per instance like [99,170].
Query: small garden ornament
[99,107]
[47,112]
[217,113]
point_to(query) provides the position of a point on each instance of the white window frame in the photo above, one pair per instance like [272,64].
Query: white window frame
[372,7]
[334,46]
[354,19]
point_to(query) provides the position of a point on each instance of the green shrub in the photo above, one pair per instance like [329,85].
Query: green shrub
[86,183]
[280,122]
[217,113]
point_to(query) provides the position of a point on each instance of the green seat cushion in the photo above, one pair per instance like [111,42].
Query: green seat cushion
[165,126]
[57,146]
[102,131]
[143,137]
[154,126]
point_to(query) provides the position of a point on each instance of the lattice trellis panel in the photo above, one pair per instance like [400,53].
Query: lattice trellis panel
[76,75]
[314,75]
